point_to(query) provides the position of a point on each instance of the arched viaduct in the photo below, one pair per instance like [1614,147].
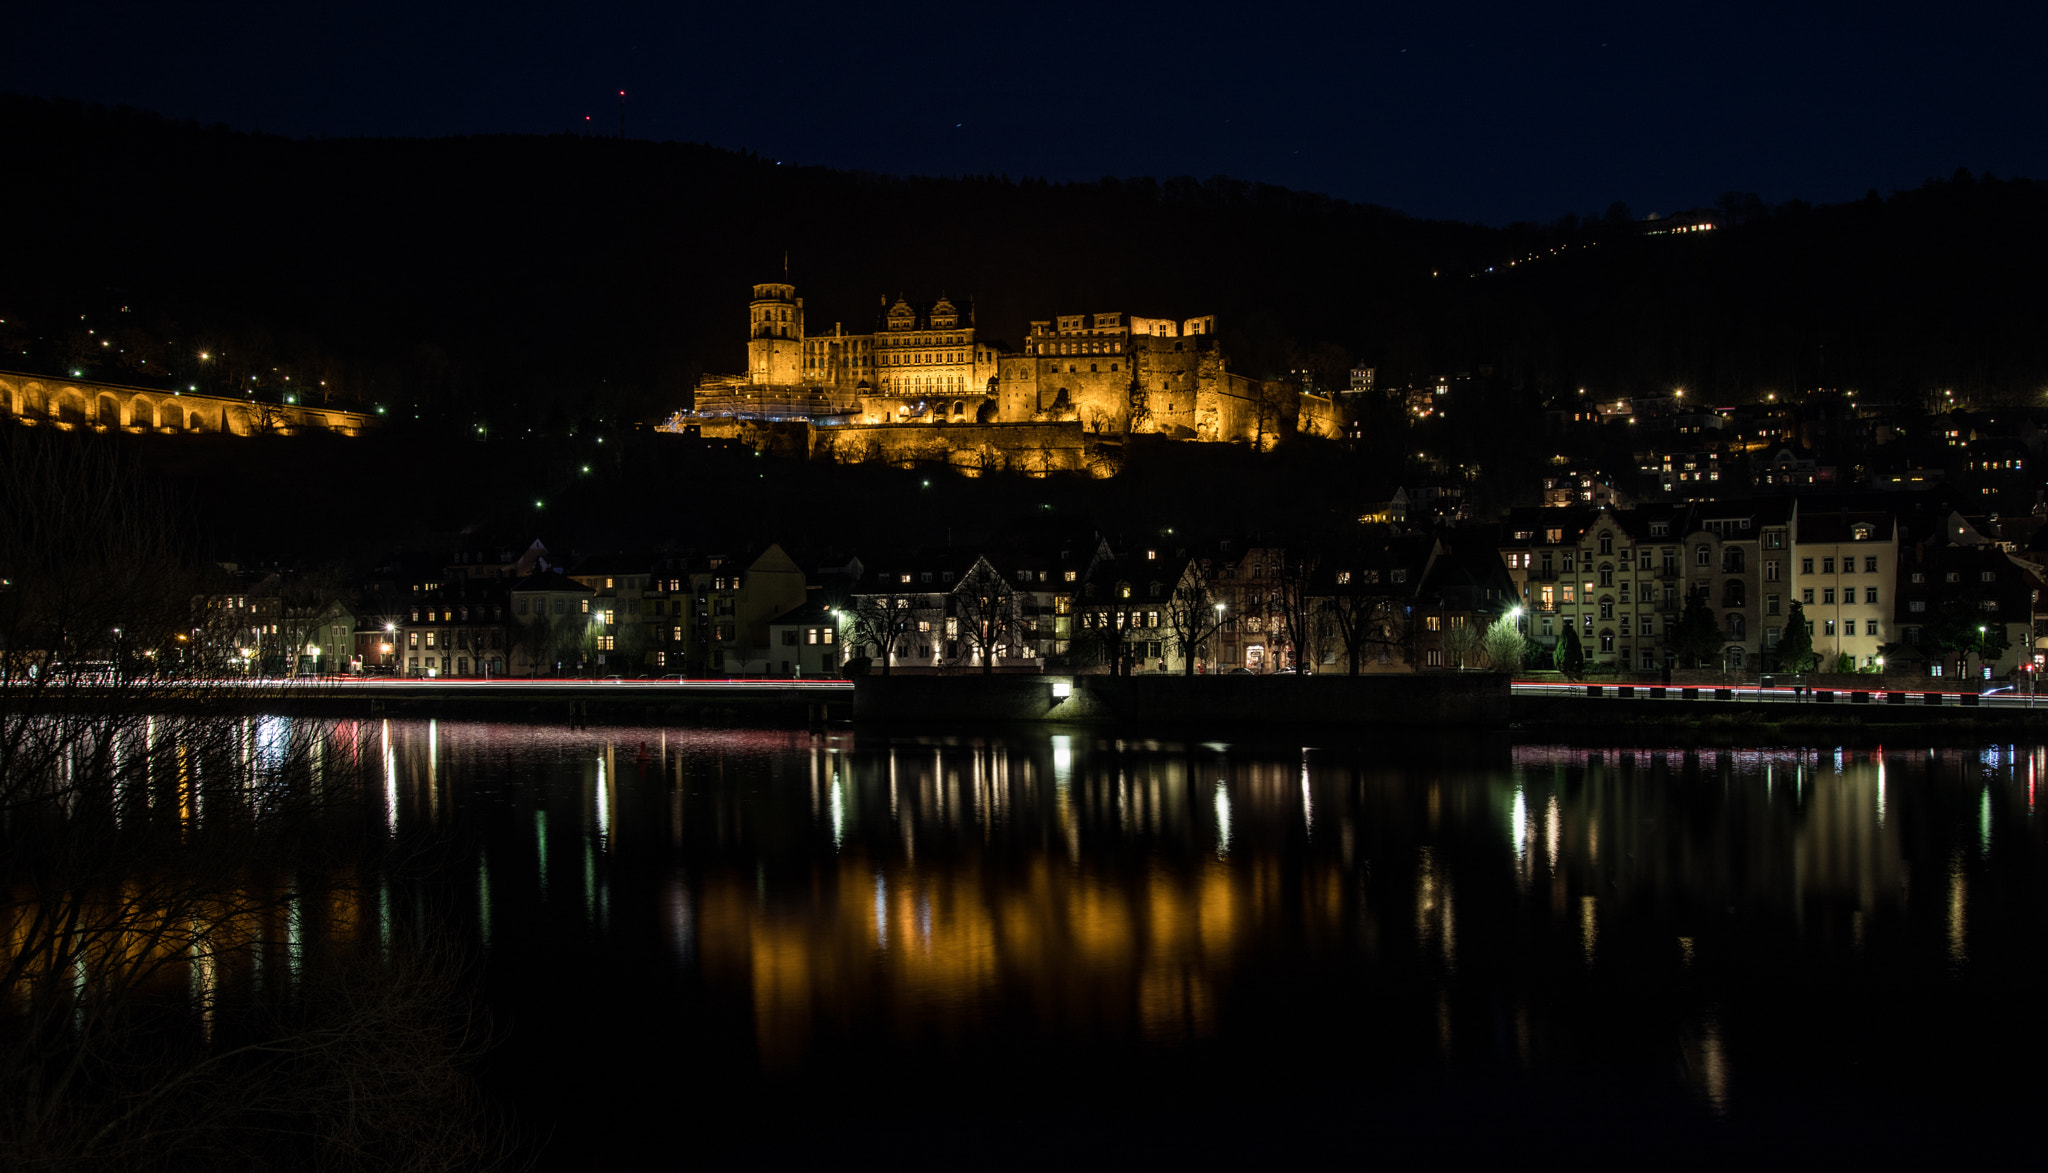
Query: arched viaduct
[109,407]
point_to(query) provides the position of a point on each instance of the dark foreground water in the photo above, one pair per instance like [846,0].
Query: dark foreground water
[758,948]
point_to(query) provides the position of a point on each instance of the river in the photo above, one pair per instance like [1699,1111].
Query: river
[1020,947]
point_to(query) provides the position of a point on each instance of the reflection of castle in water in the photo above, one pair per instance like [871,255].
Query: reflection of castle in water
[915,927]
[1082,887]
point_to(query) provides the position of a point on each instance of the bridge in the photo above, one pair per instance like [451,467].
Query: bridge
[110,407]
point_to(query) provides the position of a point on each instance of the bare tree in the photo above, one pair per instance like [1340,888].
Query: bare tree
[307,606]
[1462,640]
[1303,613]
[1099,627]
[881,622]
[1369,615]
[157,841]
[987,610]
[1193,614]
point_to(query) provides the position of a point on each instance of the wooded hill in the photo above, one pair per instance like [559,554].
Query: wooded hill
[566,283]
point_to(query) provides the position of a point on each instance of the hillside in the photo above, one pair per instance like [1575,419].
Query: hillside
[553,283]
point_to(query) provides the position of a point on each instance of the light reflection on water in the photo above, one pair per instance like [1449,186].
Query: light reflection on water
[1539,909]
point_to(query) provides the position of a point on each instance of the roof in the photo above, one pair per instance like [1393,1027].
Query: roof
[1840,526]
[613,564]
[544,581]
[803,615]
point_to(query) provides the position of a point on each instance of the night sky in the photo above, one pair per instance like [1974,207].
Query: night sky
[1489,112]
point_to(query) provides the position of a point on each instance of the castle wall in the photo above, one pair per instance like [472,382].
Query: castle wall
[1164,382]
[1016,388]
[1031,449]
[1319,416]
[1096,388]
[1230,407]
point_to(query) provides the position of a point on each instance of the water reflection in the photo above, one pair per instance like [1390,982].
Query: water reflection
[1668,913]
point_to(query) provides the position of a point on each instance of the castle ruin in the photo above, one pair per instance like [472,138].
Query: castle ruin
[924,386]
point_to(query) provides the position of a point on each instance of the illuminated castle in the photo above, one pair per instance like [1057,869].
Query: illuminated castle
[1102,375]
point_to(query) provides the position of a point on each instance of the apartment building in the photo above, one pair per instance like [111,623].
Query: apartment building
[1845,570]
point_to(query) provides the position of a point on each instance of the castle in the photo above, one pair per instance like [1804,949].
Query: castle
[924,386]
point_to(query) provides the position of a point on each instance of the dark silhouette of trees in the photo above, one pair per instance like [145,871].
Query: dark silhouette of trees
[1962,629]
[987,610]
[1698,638]
[159,843]
[1570,657]
[1193,616]
[1303,612]
[1370,616]
[881,622]
[1795,649]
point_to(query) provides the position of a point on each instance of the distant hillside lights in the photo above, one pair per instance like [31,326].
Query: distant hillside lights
[924,387]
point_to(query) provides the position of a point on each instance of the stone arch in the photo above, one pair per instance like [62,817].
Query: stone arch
[69,406]
[8,403]
[34,399]
[106,410]
[196,422]
[141,412]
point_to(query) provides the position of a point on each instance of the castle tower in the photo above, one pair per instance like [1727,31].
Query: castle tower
[775,338]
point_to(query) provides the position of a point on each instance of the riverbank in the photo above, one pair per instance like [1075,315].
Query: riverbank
[766,703]
[1478,700]
[1767,722]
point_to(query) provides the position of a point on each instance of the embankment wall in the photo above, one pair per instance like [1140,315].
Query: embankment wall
[1470,699]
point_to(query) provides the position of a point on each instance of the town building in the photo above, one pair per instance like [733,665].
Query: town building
[1845,570]
[805,641]
[550,624]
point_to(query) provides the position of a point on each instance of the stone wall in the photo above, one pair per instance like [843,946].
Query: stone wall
[69,403]
[1100,398]
[1471,698]
[1164,385]
[1319,416]
[1032,449]
[779,437]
